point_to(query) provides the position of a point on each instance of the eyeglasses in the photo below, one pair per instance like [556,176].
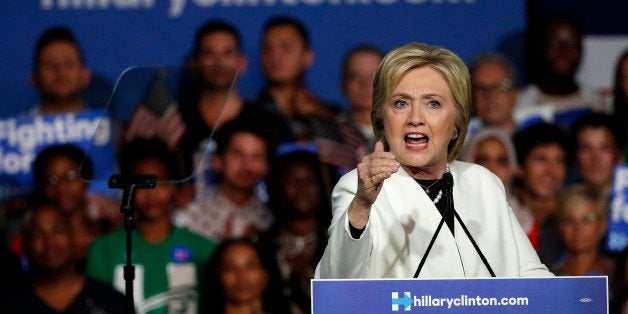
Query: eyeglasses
[589,218]
[501,86]
[68,177]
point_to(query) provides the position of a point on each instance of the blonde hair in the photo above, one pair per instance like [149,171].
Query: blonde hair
[416,55]
[580,193]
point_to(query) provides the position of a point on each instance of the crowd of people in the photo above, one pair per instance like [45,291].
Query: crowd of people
[245,234]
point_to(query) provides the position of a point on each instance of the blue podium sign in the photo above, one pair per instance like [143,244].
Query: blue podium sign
[495,295]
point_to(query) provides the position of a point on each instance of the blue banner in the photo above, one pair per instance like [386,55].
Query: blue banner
[491,295]
[22,138]
[617,238]
[116,34]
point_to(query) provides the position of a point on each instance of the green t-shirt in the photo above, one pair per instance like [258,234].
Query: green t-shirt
[166,274]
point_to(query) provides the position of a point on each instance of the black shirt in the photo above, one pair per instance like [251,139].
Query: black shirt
[95,298]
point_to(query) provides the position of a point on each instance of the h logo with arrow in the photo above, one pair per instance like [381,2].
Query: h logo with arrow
[405,301]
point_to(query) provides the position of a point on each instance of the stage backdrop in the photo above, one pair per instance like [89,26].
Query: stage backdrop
[116,34]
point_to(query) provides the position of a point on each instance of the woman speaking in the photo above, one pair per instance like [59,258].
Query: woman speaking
[411,210]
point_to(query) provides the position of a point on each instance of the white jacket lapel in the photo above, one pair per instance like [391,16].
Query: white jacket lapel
[411,205]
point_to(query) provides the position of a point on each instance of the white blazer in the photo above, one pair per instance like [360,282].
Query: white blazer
[403,220]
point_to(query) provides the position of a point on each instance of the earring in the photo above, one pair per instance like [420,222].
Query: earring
[455,136]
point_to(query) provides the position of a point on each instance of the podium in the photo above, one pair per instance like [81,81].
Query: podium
[479,295]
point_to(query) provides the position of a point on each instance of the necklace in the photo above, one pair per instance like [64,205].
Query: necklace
[427,189]
[437,198]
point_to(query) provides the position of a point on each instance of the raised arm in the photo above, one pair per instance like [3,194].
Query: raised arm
[372,171]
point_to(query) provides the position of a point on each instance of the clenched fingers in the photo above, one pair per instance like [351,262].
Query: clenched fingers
[375,168]
[372,171]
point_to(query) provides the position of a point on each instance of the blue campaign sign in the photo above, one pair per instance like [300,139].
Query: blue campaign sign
[488,295]
[22,138]
[618,219]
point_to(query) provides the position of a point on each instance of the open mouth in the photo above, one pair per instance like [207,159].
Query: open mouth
[417,140]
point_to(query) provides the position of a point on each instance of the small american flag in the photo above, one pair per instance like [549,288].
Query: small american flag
[338,144]
[146,124]
[157,114]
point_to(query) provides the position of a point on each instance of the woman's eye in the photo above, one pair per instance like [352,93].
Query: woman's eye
[434,103]
[400,103]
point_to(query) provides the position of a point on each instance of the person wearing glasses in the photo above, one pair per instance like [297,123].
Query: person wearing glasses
[495,93]
[57,177]
[582,225]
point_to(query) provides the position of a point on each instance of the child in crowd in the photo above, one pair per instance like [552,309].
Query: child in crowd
[168,260]
[60,182]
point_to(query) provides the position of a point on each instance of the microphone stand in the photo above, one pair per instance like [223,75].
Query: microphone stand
[449,184]
[129,184]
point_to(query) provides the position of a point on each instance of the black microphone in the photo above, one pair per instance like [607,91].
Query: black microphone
[448,179]
[448,211]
